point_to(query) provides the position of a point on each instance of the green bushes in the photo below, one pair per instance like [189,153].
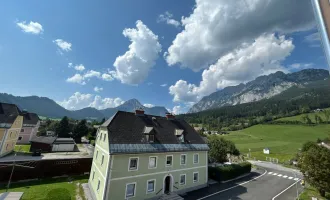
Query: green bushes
[223,173]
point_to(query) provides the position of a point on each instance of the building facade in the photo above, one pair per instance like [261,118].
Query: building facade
[31,124]
[10,126]
[139,156]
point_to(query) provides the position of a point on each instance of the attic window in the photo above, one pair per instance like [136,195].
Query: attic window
[148,129]
[149,133]
[179,134]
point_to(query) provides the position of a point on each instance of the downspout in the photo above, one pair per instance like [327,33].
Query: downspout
[108,177]
[322,29]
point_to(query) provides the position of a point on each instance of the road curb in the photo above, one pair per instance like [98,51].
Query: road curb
[242,176]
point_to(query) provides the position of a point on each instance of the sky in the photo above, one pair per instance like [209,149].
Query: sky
[165,53]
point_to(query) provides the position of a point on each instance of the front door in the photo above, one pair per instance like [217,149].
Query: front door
[167,185]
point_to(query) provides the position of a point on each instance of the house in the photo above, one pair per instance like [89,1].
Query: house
[50,133]
[266,151]
[52,144]
[139,156]
[10,126]
[31,123]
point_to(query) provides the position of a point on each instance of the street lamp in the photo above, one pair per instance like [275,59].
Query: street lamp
[12,170]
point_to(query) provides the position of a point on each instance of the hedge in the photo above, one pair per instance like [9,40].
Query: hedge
[223,173]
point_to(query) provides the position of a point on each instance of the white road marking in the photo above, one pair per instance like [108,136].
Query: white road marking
[290,177]
[270,172]
[296,179]
[285,176]
[280,175]
[285,189]
[233,186]
[275,174]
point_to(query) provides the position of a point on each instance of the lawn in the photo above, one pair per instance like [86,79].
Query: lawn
[22,148]
[299,117]
[50,189]
[284,141]
[310,192]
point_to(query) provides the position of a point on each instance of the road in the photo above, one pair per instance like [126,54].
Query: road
[269,184]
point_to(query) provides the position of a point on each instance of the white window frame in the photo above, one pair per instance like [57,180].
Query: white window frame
[98,185]
[171,161]
[185,179]
[149,162]
[135,185]
[185,160]
[102,159]
[195,181]
[137,163]
[197,158]
[148,192]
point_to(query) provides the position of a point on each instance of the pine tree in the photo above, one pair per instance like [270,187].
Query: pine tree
[80,130]
[63,129]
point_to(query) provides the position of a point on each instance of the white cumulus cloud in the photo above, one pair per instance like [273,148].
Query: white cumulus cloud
[245,63]
[92,73]
[98,89]
[107,77]
[148,105]
[177,110]
[216,27]
[133,67]
[167,17]
[79,101]
[77,78]
[163,85]
[32,27]
[299,66]
[79,67]
[63,45]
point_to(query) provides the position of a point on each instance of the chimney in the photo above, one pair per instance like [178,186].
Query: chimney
[169,116]
[139,111]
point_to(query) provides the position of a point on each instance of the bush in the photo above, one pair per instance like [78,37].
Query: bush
[92,142]
[227,172]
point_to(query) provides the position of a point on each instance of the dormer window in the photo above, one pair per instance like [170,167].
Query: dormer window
[149,133]
[179,134]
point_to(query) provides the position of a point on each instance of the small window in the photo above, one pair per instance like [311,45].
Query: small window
[101,136]
[183,159]
[104,137]
[169,160]
[98,185]
[22,130]
[7,146]
[151,186]
[93,175]
[151,138]
[196,158]
[102,160]
[152,162]
[182,179]
[97,153]
[130,190]
[133,164]
[19,138]
[195,177]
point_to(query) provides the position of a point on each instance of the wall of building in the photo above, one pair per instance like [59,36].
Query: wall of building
[2,134]
[28,133]
[120,175]
[11,137]
[325,7]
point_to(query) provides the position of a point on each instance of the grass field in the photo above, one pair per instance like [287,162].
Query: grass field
[50,189]
[22,148]
[284,141]
[299,117]
[310,192]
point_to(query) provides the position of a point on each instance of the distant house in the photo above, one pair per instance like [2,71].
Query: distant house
[266,151]
[10,126]
[31,123]
[52,144]
[50,133]
[318,110]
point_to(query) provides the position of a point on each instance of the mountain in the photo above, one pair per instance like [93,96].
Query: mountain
[263,87]
[46,107]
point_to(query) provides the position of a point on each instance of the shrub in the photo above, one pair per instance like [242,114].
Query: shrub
[227,172]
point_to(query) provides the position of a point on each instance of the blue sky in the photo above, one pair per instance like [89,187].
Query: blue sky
[205,48]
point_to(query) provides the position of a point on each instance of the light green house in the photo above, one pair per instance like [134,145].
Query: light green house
[140,156]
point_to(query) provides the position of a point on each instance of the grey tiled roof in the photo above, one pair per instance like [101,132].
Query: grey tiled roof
[8,113]
[127,134]
[42,139]
[30,118]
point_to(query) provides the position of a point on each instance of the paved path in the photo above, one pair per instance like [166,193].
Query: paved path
[260,185]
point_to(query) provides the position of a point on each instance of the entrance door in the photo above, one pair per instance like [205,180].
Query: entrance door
[167,185]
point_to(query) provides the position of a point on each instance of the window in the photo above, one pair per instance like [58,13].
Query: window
[22,130]
[19,138]
[104,137]
[98,185]
[102,160]
[182,179]
[101,136]
[93,175]
[183,159]
[151,138]
[133,164]
[130,190]
[195,177]
[7,147]
[151,186]
[196,158]
[169,160]
[152,162]
[97,153]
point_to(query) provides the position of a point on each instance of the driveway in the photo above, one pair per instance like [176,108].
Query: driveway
[268,184]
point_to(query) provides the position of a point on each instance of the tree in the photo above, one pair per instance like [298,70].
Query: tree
[327,115]
[314,163]
[219,148]
[80,130]
[63,128]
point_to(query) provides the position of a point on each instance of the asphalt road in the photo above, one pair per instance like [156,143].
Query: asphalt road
[261,185]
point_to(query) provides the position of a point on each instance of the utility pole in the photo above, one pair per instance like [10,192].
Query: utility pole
[12,171]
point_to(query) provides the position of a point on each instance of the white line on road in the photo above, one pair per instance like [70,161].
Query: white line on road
[290,177]
[270,172]
[275,174]
[285,189]
[285,176]
[233,186]
[296,179]
[280,175]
